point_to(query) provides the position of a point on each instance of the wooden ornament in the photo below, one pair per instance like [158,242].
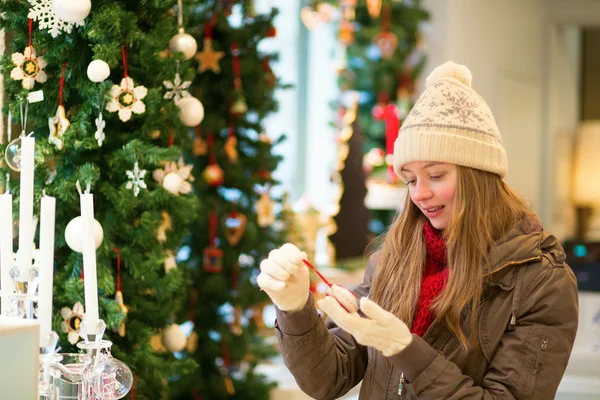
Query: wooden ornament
[124,310]
[231,149]
[235,225]
[200,147]
[212,260]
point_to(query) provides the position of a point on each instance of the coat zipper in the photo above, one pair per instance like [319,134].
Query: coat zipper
[508,264]
[401,384]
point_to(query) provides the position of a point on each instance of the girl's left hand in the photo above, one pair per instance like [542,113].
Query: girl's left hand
[382,330]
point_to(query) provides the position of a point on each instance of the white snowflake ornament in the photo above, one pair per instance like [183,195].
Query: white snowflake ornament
[42,12]
[28,68]
[72,321]
[100,125]
[136,179]
[127,98]
[177,89]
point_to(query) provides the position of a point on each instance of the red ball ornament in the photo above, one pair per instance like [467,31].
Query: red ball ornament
[213,175]
[271,31]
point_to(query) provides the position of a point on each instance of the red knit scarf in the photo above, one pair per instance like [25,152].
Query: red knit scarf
[435,276]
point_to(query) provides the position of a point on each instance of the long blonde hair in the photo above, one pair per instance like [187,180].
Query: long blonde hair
[485,209]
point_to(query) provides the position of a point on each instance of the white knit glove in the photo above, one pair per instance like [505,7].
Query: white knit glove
[382,330]
[285,278]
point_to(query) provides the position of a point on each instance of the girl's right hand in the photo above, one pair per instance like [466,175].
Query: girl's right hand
[285,278]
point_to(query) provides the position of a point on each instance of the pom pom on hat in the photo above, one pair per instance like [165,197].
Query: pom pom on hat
[450,69]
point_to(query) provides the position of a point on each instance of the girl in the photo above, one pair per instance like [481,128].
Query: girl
[467,298]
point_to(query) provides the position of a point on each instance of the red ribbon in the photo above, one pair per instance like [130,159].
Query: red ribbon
[124,55]
[62,84]
[30,29]
[118,269]
[134,388]
[389,114]
[211,149]
[236,65]
[225,354]
[212,228]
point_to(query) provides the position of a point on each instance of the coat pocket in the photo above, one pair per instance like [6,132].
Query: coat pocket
[532,359]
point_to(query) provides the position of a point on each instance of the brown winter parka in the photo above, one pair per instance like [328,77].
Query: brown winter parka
[527,323]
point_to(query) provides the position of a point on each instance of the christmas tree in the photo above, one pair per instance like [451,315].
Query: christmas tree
[237,224]
[108,122]
[383,58]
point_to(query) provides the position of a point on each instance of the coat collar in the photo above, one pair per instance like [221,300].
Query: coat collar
[524,244]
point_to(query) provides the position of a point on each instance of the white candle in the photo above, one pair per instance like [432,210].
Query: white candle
[6,249]
[47,216]
[26,204]
[89,260]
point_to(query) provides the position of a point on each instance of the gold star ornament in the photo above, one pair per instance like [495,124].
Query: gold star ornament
[209,58]
[58,126]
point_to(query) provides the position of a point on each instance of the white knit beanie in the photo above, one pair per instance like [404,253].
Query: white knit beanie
[450,123]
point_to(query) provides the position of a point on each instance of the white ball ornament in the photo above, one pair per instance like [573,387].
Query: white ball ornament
[172,182]
[191,111]
[173,338]
[98,71]
[71,10]
[183,43]
[74,234]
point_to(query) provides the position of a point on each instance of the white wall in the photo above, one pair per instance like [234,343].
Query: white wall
[503,43]
[562,116]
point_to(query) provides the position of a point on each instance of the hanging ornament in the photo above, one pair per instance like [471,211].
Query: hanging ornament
[192,342]
[177,89]
[175,177]
[166,225]
[191,111]
[270,79]
[42,11]
[208,58]
[28,67]
[263,174]
[173,338]
[212,256]
[386,41]
[136,179]
[74,234]
[213,174]
[314,15]
[236,325]
[405,88]
[71,323]
[72,11]
[119,294]
[98,71]
[346,33]
[126,98]
[235,225]
[182,42]
[170,262]
[100,125]
[59,124]
[264,209]
[348,9]
[374,8]
[239,106]
[200,147]
[224,364]
[388,112]
[230,146]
